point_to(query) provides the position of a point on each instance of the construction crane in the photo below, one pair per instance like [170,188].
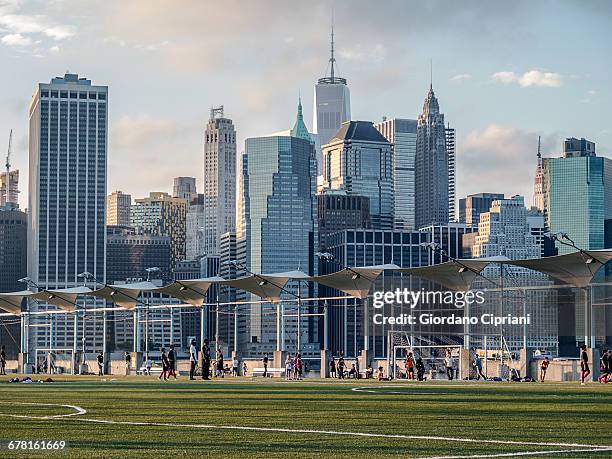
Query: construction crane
[7,178]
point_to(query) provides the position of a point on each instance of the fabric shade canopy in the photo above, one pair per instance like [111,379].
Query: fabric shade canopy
[577,268]
[192,291]
[64,298]
[265,286]
[125,295]
[11,302]
[354,281]
[455,275]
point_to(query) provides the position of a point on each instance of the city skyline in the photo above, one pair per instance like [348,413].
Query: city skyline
[396,44]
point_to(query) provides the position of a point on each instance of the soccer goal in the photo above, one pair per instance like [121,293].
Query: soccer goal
[433,356]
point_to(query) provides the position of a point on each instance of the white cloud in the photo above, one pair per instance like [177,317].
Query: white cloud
[528,79]
[500,159]
[16,39]
[461,77]
[373,53]
[54,49]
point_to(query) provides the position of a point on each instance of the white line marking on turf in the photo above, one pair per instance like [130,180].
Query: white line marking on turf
[79,411]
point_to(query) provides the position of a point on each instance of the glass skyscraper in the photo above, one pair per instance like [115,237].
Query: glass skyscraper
[276,224]
[402,133]
[578,199]
[359,161]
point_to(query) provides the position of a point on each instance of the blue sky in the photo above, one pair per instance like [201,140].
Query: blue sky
[505,72]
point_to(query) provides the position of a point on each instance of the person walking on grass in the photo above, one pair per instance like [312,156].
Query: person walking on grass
[543,367]
[297,366]
[100,359]
[235,365]
[420,369]
[265,365]
[172,362]
[2,360]
[288,367]
[244,368]
[605,365]
[165,365]
[585,371]
[332,368]
[478,366]
[341,365]
[410,366]
[220,370]
[450,364]
[128,363]
[193,358]
[205,360]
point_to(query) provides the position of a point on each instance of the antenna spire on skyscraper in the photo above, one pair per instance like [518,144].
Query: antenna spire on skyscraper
[431,74]
[332,59]
[539,148]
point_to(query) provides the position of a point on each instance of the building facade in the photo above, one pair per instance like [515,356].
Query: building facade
[578,195]
[332,106]
[162,215]
[451,239]
[451,150]
[194,227]
[184,188]
[402,134]
[68,136]
[12,194]
[359,161]
[473,205]
[277,227]
[118,208]
[431,166]
[219,179]
[337,211]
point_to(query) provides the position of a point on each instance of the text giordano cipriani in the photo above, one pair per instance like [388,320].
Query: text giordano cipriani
[458,299]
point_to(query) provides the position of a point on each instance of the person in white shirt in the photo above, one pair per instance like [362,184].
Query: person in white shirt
[193,358]
[235,364]
[450,365]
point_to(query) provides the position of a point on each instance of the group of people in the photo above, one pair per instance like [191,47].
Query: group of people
[338,369]
[293,367]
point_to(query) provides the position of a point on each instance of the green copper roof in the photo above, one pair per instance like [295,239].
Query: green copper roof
[299,128]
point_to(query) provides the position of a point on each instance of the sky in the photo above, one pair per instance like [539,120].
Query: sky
[504,73]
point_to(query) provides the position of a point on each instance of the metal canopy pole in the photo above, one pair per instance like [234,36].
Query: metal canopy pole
[299,319]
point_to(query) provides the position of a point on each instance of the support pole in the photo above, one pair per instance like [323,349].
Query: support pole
[278,327]
[75,334]
[202,332]
[366,326]
[104,332]
[235,329]
[171,325]
[486,356]
[217,343]
[592,317]
[525,315]
[325,327]
[299,319]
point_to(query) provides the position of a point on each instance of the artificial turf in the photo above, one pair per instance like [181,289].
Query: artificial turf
[525,412]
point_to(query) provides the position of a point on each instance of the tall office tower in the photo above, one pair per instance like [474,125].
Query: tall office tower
[185,188]
[118,208]
[129,254]
[578,194]
[332,106]
[195,220]
[162,215]
[337,211]
[359,161]
[13,266]
[506,231]
[219,179]
[277,228]
[67,192]
[452,170]
[538,182]
[473,205]
[13,188]
[451,238]
[431,166]
[359,247]
[402,133]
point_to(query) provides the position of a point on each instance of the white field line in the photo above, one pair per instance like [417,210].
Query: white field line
[575,447]
[522,453]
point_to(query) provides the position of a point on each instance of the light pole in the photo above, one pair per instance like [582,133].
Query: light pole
[153,269]
[26,340]
[563,238]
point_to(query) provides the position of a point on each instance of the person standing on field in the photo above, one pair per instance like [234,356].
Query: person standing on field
[543,368]
[172,362]
[193,358]
[585,371]
[100,360]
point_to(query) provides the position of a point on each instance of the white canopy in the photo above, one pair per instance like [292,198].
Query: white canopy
[354,281]
[455,274]
[577,269]
[11,302]
[125,295]
[265,286]
[192,291]
[63,298]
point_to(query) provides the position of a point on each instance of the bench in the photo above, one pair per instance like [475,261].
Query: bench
[155,370]
[271,371]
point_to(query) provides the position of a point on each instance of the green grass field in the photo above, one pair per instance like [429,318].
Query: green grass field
[137,416]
